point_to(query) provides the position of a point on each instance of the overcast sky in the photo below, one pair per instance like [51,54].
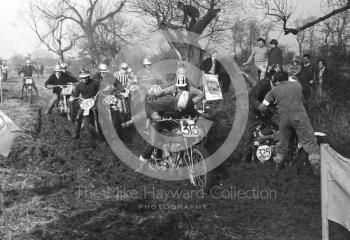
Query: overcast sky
[20,39]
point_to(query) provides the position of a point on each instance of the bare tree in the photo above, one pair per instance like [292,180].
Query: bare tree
[54,34]
[281,11]
[300,39]
[166,16]
[88,15]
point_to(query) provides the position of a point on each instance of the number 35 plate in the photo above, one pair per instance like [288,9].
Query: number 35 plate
[263,153]
[189,128]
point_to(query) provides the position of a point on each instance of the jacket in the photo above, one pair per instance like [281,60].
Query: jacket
[87,90]
[28,71]
[195,94]
[274,56]
[64,79]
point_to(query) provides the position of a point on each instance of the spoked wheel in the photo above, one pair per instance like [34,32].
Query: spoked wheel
[30,96]
[197,169]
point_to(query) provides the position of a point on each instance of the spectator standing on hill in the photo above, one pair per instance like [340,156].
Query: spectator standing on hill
[322,79]
[259,54]
[275,55]
[294,69]
[306,76]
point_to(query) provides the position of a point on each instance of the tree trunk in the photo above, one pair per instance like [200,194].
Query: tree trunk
[61,56]
[89,32]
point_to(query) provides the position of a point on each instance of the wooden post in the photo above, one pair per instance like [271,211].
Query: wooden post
[324,194]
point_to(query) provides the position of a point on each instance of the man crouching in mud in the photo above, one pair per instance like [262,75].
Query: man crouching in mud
[293,116]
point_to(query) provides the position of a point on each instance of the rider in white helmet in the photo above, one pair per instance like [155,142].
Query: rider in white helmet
[102,69]
[178,99]
[27,72]
[180,85]
[57,78]
[125,75]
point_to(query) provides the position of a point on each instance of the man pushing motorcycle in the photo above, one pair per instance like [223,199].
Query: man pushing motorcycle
[255,116]
[293,117]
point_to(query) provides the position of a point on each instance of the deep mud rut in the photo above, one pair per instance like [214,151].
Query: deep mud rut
[57,188]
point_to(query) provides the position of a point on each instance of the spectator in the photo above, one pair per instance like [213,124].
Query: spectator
[322,79]
[294,69]
[275,54]
[259,54]
[306,77]
[217,69]
[211,65]
[4,71]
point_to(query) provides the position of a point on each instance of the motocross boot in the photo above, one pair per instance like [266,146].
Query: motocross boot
[77,127]
[314,159]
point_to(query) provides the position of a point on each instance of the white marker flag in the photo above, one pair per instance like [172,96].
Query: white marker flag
[335,189]
[8,133]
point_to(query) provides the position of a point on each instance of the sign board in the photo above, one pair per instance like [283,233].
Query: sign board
[212,87]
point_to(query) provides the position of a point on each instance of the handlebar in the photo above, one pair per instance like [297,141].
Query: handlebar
[53,86]
[93,98]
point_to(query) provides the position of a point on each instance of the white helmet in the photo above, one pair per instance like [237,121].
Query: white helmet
[64,65]
[182,100]
[58,68]
[124,66]
[103,67]
[181,80]
[146,62]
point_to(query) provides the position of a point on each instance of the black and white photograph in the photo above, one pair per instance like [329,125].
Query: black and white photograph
[175,120]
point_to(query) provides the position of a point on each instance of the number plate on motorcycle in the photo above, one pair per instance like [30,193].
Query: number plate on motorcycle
[263,153]
[133,88]
[110,99]
[189,128]
[67,91]
[29,81]
[87,104]
[155,88]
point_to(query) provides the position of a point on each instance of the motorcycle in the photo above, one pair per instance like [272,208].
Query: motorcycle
[62,103]
[264,148]
[185,150]
[28,85]
[87,109]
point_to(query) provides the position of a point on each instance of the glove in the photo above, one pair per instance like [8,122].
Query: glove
[71,99]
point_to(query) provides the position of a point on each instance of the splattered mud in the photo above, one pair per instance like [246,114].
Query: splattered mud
[58,188]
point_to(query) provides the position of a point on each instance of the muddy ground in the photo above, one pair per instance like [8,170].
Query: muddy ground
[58,188]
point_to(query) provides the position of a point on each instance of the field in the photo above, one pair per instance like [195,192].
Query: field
[58,188]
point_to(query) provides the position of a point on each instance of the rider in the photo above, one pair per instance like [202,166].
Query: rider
[27,71]
[123,79]
[88,88]
[64,67]
[255,117]
[125,75]
[146,78]
[181,85]
[102,70]
[293,116]
[57,78]
[179,105]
